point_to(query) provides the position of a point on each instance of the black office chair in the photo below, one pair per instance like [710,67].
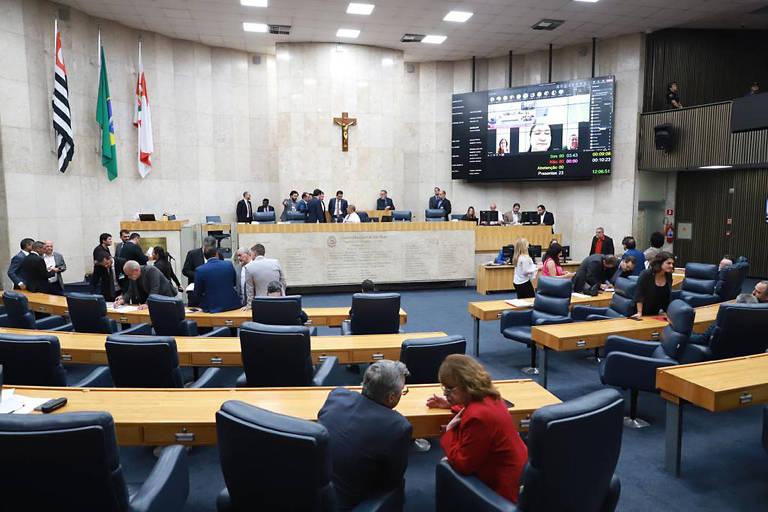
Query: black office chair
[285,310]
[264,217]
[168,318]
[295,217]
[36,361]
[765,428]
[622,304]
[150,362]
[364,217]
[550,306]
[435,215]
[573,449]
[698,287]
[218,234]
[402,216]
[279,356]
[424,356]
[71,461]
[373,313]
[731,279]
[88,313]
[739,331]
[18,315]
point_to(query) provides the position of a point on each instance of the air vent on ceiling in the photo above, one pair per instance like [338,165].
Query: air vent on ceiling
[546,24]
[281,30]
[411,38]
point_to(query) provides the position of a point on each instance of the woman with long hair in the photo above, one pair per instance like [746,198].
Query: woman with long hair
[654,286]
[552,266]
[162,262]
[525,270]
[470,215]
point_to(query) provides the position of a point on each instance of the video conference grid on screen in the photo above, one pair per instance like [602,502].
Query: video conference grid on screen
[555,131]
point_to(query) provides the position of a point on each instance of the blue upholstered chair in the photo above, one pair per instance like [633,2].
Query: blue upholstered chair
[279,356]
[424,356]
[573,449]
[373,313]
[169,318]
[19,316]
[285,310]
[218,235]
[363,216]
[698,287]
[622,304]
[295,218]
[264,217]
[402,216]
[150,362]
[631,364]
[551,306]
[739,331]
[36,361]
[765,428]
[434,215]
[88,313]
[731,279]
[71,461]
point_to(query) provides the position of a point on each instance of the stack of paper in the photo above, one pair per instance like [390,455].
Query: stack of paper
[11,403]
[520,303]
[580,295]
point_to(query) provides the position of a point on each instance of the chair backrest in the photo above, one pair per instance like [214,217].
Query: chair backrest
[17,309]
[434,214]
[675,336]
[273,462]
[277,310]
[264,217]
[730,280]
[295,217]
[276,355]
[74,455]
[168,316]
[700,278]
[375,313]
[424,356]
[31,360]
[143,361]
[88,313]
[623,300]
[402,215]
[553,297]
[740,330]
[457,216]
[213,219]
[363,216]
[566,476]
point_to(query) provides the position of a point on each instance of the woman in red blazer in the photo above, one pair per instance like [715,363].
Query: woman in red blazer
[481,439]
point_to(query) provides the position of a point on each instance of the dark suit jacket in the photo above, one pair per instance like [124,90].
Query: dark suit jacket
[315,212]
[15,267]
[242,211]
[216,286]
[34,273]
[150,282]
[100,251]
[268,208]
[433,202]
[332,207]
[445,204]
[607,245]
[369,446]
[102,283]
[591,272]
[193,260]
[131,251]
[166,268]
[381,204]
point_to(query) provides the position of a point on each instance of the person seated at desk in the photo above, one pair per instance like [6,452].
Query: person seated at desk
[216,284]
[704,338]
[760,292]
[545,217]
[594,272]
[351,217]
[369,441]
[143,281]
[470,215]
[551,266]
[244,210]
[626,268]
[290,205]
[265,206]
[513,216]
[384,202]
[654,286]
[630,249]
[367,286]
[481,440]
[131,251]
[275,289]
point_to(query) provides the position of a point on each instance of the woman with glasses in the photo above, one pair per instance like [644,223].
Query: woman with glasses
[481,439]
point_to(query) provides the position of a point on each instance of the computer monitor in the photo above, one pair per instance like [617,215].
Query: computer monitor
[534,251]
[566,252]
[146,217]
[529,218]
[489,216]
[508,252]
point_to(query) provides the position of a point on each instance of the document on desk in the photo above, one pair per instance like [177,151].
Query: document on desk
[11,403]
[125,308]
[520,303]
[580,295]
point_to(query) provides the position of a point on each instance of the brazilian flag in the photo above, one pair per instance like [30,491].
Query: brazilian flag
[106,122]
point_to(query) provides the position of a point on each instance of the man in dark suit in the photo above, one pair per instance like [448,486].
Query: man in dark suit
[545,217]
[33,271]
[338,207]
[594,272]
[245,209]
[265,206]
[601,244]
[131,250]
[434,199]
[369,441]
[124,236]
[216,284]
[14,268]
[196,258]
[444,204]
[144,281]
[103,279]
[316,207]
[384,202]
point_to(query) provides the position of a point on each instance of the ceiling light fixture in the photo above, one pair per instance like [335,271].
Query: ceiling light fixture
[255,27]
[715,167]
[364,9]
[387,62]
[458,16]
[587,1]
[255,3]
[433,39]
[350,33]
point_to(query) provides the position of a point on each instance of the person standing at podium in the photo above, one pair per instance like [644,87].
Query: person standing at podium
[245,209]
[444,204]
[384,202]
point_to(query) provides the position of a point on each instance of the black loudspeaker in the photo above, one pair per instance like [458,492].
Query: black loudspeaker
[664,137]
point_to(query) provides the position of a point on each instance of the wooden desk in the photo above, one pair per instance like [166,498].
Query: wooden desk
[716,386]
[493,238]
[154,417]
[207,228]
[378,214]
[497,278]
[586,335]
[57,305]
[83,348]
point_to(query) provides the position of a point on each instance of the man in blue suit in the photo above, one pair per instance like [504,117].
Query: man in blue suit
[316,208]
[369,441]
[338,207]
[14,269]
[216,284]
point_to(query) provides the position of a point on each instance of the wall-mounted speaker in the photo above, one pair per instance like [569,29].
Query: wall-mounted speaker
[664,137]
[255,60]
[410,68]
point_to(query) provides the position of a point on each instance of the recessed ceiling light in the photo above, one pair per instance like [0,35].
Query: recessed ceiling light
[587,1]
[347,32]
[432,39]
[255,3]
[355,8]
[715,167]
[458,16]
[255,27]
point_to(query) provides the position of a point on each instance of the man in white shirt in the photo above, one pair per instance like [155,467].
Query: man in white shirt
[55,264]
[352,217]
[244,258]
[259,273]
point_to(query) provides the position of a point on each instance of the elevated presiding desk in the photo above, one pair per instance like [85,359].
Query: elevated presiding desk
[154,417]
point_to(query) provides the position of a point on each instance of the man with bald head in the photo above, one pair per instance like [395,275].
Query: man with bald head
[144,281]
[761,292]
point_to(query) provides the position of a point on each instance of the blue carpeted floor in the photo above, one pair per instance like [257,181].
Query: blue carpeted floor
[724,464]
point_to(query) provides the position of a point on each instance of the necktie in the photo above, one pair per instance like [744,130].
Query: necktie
[338,208]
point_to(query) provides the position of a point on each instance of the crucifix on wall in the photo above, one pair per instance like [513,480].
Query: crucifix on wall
[345,122]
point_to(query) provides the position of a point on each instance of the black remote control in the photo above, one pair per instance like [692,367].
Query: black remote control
[52,405]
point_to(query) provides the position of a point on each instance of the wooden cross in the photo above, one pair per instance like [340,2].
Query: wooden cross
[345,122]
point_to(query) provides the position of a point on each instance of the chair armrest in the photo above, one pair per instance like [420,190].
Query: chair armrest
[188,328]
[629,345]
[695,354]
[209,379]
[676,294]
[612,497]
[167,487]
[324,370]
[391,501]
[312,330]
[50,322]
[554,321]
[579,313]
[346,327]
[142,329]
[458,493]
[696,302]
[217,332]
[593,318]
[242,381]
[4,321]
[64,328]
[515,318]
[632,371]
[98,378]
